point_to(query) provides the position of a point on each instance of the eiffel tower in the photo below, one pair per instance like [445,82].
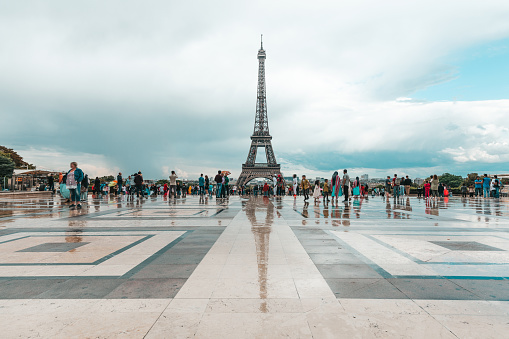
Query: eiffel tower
[261,137]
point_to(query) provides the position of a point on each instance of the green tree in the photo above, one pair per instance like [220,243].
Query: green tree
[162,182]
[451,180]
[6,166]
[18,160]
[469,180]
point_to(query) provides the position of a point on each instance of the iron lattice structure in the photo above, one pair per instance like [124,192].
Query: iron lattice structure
[261,136]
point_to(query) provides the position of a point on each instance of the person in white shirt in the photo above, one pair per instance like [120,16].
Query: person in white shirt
[295,184]
[173,184]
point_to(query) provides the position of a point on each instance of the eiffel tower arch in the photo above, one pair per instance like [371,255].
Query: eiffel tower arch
[261,137]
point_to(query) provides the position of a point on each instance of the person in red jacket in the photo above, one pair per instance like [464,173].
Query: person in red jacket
[266,190]
[427,188]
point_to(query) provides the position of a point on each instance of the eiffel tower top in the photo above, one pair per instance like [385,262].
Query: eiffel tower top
[261,51]
[261,127]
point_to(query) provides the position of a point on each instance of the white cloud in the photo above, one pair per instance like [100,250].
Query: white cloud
[167,82]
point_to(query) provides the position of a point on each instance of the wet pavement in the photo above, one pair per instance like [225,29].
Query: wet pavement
[254,267]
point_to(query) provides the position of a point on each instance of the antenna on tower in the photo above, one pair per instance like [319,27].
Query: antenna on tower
[261,39]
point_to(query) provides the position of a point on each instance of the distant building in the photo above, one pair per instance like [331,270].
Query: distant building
[418,181]
[364,178]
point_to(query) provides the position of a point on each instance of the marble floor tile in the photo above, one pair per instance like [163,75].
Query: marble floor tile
[475,326]
[377,325]
[459,307]
[253,325]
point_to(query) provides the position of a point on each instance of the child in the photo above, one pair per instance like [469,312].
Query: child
[316,193]
[326,190]
[427,187]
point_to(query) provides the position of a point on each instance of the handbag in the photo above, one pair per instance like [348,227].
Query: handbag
[356,191]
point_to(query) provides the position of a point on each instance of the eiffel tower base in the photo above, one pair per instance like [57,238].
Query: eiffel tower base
[252,172]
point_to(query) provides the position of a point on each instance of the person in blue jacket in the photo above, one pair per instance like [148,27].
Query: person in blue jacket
[73,184]
[486,183]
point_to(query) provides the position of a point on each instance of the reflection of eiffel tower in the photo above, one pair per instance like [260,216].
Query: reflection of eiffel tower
[261,136]
[261,232]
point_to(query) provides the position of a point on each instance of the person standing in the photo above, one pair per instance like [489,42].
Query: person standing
[478,187]
[97,186]
[119,183]
[305,187]
[206,184]
[138,181]
[346,184]
[388,186]
[434,186]
[73,184]
[295,184]
[336,190]
[427,188]
[408,182]
[464,190]
[274,184]
[440,190]
[84,188]
[51,183]
[173,185]
[316,192]
[201,184]
[395,186]
[219,183]
[226,187]
[325,190]
[496,186]
[356,191]
[486,182]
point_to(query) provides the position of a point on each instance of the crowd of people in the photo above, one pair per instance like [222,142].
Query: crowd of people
[77,183]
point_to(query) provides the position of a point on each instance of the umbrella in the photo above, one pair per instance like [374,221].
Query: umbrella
[113,183]
[226,172]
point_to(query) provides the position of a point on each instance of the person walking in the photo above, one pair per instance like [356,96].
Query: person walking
[346,185]
[173,185]
[305,187]
[73,184]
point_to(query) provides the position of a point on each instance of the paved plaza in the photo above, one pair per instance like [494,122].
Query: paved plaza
[254,268]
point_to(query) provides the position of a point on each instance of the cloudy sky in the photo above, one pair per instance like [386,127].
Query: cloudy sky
[413,87]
